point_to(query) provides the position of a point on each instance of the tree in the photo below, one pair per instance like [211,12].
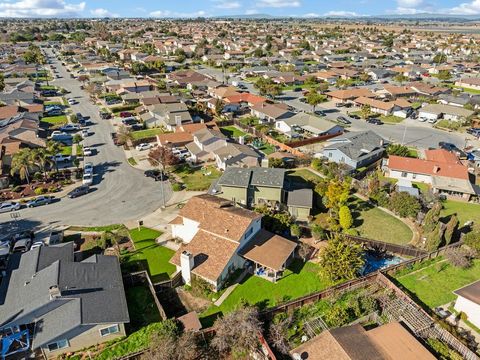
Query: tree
[163,155]
[450,229]
[21,163]
[345,217]
[295,230]
[237,332]
[42,159]
[364,77]
[460,257]
[439,58]
[337,193]
[400,78]
[313,98]
[2,82]
[365,112]
[169,344]
[278,333]
[444,75]
[431,218]
[398,150]
[341,259]
[303,250]
[434,238]
[124,134]
[472,239]
[322,87]
[317,232]
[404,204]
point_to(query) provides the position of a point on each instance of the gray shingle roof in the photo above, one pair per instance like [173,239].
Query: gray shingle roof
[240,177]
[357,144]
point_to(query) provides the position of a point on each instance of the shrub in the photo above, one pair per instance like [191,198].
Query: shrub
[52,189]
[77,138]
[317,232]
[404,204]
[177,187]
[40,191]
[460,257]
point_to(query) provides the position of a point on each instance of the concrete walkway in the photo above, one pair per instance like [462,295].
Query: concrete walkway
[230,289]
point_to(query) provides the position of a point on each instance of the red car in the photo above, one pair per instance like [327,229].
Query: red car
[125,114]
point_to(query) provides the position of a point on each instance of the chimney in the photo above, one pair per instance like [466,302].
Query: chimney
[178,120]
[54,292]
[186,264]
[264,163]
[241,140]
[436,169]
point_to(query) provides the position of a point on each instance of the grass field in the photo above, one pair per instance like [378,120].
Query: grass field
[149,255]
[141,307]
[267,149]
[433,285]
[147,133]
[232,131]
[55,120]
[376,224]
[391,119]
[66,150]
[299,279]
[306,175]
[464,211]
[197,179]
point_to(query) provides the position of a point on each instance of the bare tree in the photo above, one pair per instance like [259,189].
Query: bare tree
[460,257]
[162,155]
[303,250]
[278,334]
[237,331]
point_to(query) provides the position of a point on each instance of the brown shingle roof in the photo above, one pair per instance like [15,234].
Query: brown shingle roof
[470,292]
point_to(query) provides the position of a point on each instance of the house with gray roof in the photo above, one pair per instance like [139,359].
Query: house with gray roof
[65,304]
[306,123]
[257,185]
[355,149]
[168,115]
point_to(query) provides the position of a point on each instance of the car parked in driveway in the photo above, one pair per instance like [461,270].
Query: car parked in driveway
[125,114]
[60,136]
[143,146]
[72,101]
[374,121]
[156,174]
[87,179]
[105,115]
[343,120]
[61,158]
[87,151]
[70,127]
[39,201]
[129,121]
[88,168]
[79,191]
[8,206]
[85,133]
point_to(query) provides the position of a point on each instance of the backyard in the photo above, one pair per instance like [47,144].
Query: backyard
[55,120]
[465,211]
[141,307]
[232,131]
[376,224]
[196,179]
[434,283]
[306,175]
[391,119]
[149,255]
[298,280]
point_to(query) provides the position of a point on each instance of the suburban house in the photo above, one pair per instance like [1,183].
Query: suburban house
[398,107]
[441,169]
[448,112]
[219,238]
[390,341]
[271,112]
[469,83]
[236,155]
[355,149]
[181,135]
[343,96]
[65,305]
[205,142]
[468,302]
[270,186]
[168,115]
[303,122]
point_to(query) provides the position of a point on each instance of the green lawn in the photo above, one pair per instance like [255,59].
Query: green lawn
[470,91]
[132,161]
[391,119]
[421,186]
[267,149]
[66,150]
[306,175]
[232,131]
[55,120]
[112,227]
[147,133]
[141,306]
[465,211]
[299,280]
[52,103]
[433,285]
[197,179]
[376,224]
[148,255]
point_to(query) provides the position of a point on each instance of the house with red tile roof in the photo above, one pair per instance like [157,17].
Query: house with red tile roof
[440,169]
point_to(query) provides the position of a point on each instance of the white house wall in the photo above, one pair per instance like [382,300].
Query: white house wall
[395,174]
[187,231]
[470,308]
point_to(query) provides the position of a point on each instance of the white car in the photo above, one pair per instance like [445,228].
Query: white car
[88,168]
[87,179]
[143,146]
[87,151]
[9,206]
[70,127]
[61,158]
[72,101]
[36,244]
[85,133]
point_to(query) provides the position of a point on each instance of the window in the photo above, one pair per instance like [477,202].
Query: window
[404,174]
[248,233]
[330,154]
[60,344]
[414,176]
[109,330]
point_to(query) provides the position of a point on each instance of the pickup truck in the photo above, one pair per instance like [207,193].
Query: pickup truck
[60,136]
[61,158]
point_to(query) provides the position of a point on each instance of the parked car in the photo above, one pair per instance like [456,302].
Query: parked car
[297,89]
[354,116]
[37,244]
[319,113]
[374,121]
[156,174]
[129,121]
[88,168]
[87,151]
[54,112]
[79,191]
[8,206]
[22,245]
[61,158]
[474,131]
[343,120]
[143,146]
[87,179]
[447,146]
[40,200]
[105,115]
[70,127]
[72,101]
[125,114]
[85,133]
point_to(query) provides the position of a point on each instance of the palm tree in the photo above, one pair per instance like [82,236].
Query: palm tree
[41,158]
[21,163]
[53,148]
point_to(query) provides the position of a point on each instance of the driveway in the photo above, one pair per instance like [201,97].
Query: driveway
[119,193]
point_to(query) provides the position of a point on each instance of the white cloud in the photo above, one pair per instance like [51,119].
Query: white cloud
[278,3]
[40,8]
[467,8]
[251,12]
[175,14]
[102,13]
[409,3]
[411,7]
[311,15]
[341,13]
[225,4]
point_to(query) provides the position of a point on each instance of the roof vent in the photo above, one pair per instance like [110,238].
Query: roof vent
[54,292]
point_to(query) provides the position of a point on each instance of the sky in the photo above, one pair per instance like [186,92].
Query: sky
[206,8]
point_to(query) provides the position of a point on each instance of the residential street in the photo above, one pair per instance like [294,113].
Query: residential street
[119,192]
